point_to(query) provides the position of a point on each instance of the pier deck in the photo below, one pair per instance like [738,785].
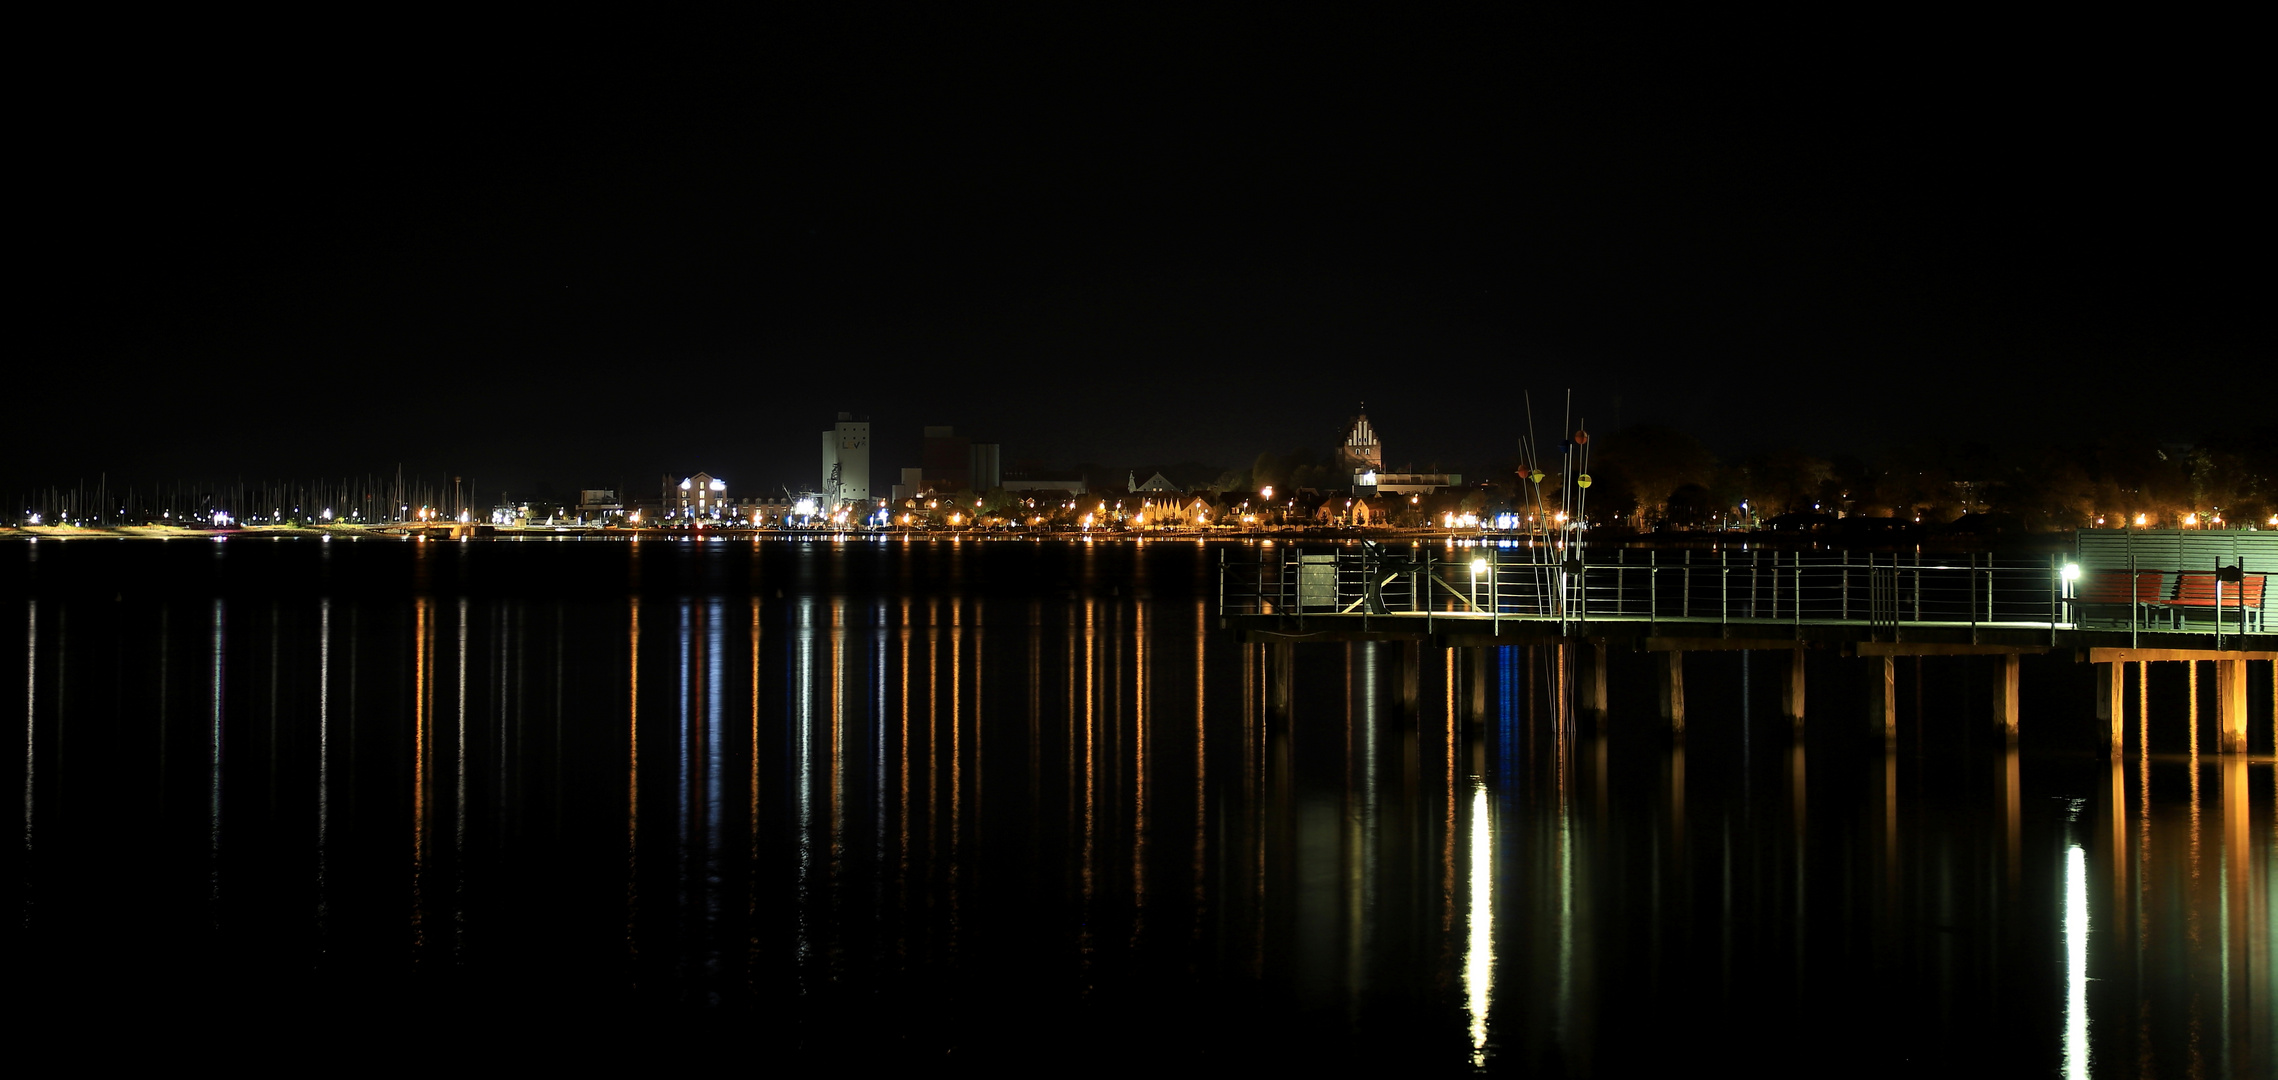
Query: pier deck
[1866,607]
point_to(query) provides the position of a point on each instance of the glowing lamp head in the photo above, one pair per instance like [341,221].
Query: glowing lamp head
[1478,566]
[2072,572]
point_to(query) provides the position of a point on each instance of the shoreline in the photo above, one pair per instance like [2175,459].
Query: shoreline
[1601,539]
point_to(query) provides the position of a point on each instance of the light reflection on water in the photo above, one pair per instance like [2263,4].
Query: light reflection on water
[1028,822]
[1479,949]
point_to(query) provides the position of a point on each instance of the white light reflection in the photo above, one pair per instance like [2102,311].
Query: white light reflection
[2076,961]
[323,759]
[803,749]
[31,711]
[213,783]
[459,806]
[1479,951]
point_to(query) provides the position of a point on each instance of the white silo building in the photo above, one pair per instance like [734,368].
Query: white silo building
[846,460]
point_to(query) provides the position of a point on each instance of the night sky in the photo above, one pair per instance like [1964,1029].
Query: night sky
[585,254]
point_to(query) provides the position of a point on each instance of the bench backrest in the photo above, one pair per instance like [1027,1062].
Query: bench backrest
[2111,587]
[2196,588]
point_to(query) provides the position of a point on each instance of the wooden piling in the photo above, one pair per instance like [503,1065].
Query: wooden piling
[2230,705]
[1672,686]
[1411,674]
[1882,697]
[2005,697]
[2112,705]
[1791,694]
[1281,660]
[1481,663]
[1590,658]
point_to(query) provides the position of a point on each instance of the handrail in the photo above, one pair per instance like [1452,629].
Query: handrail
[1518,585]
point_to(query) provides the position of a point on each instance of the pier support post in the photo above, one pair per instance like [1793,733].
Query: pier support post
[1672,685]
[1280,659]
[1590,678]
[1411,672]
[2112,704]
[2230,705]
[1882,698]
[1481,662]
[2005,697]
[1791,695]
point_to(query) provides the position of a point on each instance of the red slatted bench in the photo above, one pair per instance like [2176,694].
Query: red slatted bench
[2195,592]
[2105,593]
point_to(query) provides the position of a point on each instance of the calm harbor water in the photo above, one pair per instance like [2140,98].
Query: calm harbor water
[1024,801]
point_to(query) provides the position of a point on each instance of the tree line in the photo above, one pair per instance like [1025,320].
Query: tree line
[1654,476]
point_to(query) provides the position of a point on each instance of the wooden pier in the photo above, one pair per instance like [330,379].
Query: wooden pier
[1869,610]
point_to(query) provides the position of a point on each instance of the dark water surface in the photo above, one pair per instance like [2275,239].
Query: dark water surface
[883,801]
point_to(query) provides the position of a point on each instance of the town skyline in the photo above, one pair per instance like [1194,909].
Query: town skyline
[1650,476]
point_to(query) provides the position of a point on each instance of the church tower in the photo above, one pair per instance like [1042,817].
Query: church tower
[1361,452]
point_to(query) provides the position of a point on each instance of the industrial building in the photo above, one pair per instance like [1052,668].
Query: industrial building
[952,462]
[846,460]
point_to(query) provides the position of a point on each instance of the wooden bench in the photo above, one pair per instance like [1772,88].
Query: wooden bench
[2105,593]
[2195,591]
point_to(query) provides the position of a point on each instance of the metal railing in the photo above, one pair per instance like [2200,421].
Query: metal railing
[1877,591]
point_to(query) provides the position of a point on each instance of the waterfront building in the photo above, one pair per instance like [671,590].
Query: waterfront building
[952,462]
[700,496]
[913,484]
[987,466]
[764,511]
[846,460]
[947,459]
[1066,485]
[595,504]
[1410,483]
